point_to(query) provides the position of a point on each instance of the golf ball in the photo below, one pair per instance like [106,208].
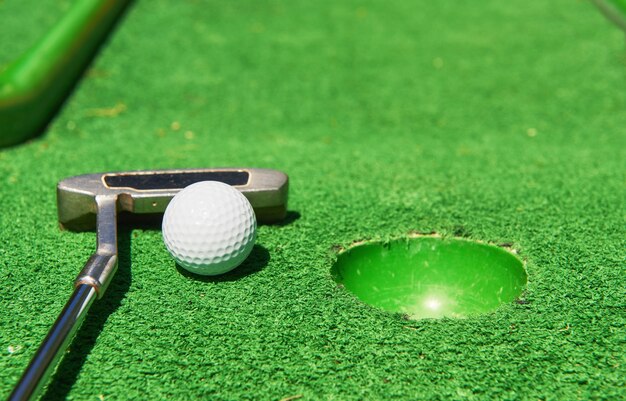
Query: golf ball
[209,228]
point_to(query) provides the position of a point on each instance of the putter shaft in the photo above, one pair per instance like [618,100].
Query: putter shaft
[53,347]
[89,285]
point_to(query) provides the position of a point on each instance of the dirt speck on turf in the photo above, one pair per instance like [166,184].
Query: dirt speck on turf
[337,248]
[358,243]
[438,63]
[292,397]
[97,73]
[361,13]
[107,111]
[418,234]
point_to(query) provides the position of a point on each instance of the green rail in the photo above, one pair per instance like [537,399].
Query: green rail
[34,86]
[615,10]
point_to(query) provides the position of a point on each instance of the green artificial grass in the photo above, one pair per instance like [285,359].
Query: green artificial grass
[495,121]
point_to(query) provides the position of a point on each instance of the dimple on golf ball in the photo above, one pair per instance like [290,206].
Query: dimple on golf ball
[209,228]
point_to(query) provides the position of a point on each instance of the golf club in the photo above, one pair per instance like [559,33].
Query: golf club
[93,201]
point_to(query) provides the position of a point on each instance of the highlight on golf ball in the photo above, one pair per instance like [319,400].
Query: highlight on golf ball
[209,228]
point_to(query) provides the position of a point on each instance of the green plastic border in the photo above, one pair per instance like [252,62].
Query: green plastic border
[34,86]
[615,10]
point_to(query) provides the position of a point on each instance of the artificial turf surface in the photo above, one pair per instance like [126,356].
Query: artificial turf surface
[496,121]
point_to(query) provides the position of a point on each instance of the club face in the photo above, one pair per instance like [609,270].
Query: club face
[149,192]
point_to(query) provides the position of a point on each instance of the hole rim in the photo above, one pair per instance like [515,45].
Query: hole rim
[509,247]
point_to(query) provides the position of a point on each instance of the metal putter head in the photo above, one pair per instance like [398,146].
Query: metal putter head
[149,192]
[94,200]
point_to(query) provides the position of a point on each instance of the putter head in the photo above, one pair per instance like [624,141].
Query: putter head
[149,192]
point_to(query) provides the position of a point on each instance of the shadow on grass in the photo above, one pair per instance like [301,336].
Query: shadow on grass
[291,216]
[259,258]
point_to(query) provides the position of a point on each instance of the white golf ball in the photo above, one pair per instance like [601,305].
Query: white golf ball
[209,228]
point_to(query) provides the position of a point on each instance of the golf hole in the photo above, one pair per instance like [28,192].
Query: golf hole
[431,277]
